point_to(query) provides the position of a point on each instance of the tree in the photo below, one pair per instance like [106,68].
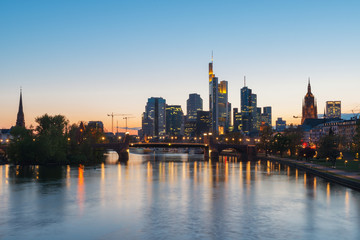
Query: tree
[51,139]
[280,143]
[356,139]
[265,138]
[328,147]
[294,136]
[22,146]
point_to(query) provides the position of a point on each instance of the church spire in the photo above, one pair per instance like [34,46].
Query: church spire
[20,120]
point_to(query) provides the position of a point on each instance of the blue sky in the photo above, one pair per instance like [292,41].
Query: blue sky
[85,59]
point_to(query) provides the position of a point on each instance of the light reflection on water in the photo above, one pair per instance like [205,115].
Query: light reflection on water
[174,197]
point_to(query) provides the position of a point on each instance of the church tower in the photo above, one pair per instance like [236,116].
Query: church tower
[20,120]
[309,105]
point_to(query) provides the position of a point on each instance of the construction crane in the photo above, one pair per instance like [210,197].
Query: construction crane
[126,118]
[112,115]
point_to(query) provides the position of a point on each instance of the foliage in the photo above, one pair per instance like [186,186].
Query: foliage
[280,143]
[307,152]
[356,139]
[328,147]
[294,136]
[22,146]
[265,138]
[52,143]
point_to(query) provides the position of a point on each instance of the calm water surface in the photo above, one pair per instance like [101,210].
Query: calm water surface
[174,197]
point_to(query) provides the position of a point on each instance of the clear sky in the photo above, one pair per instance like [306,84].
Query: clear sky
[85,59]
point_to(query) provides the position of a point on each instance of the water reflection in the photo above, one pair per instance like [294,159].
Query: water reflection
[148,198]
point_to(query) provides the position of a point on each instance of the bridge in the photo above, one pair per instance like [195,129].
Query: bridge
[210,147]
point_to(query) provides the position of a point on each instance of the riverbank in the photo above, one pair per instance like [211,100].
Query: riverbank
[348,179]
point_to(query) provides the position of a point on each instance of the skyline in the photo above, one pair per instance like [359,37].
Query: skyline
[88,59]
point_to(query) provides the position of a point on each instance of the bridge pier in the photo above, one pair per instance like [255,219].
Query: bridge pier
[123,156]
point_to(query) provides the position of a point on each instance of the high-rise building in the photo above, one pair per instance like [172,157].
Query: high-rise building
[266,116]
[174,117]
[223,107]
[249,111]
[333,109]
[213,98]
[154,117]
[309,106]
[280,125]
[237,120]
[20,120]
[203,123]
[193,104]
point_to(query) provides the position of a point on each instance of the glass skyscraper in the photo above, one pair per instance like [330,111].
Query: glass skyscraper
[154,117]
[193,104]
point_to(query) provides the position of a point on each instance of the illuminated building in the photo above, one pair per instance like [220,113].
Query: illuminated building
[174,117]
[333,109]
[203,123]
[266,116]
[154,117]
[223,107]
[309,110]
[213,98]
[237,120]
[20,120]
[249,111]
[190,128]
[193,104]
[280,125]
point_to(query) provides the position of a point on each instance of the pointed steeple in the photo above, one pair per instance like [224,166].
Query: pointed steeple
[309,86]
[20,120]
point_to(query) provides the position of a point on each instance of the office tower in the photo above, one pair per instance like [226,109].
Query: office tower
[280,125]
[237,120]
[213,98]
[20,120]
[223,107]
[309,106]
[174,117]
[193,104]
[248,110]
[189,128]
[154,117]
[203,123]
[333,109]
[229,116]
[266,116]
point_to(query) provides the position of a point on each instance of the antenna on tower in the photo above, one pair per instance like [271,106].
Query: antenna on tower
[244,81]
[212,56]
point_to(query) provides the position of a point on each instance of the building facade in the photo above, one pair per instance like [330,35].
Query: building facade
[280,125]
[309,109]
[223,106]
[333,109]
[174,117]
[154,117]
[193,104]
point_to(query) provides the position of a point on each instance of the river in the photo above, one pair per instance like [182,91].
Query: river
[174,196]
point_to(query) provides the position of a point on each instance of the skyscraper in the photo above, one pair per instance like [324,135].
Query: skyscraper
[223,107]
[237,120]
[154,117]
[213,98]
[203,123]
[20,120]
[193,104]
[280,125]
[174,116]
[266,116]
[309,105]
[333,109]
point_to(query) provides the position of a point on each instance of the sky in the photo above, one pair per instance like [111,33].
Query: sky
[85,59]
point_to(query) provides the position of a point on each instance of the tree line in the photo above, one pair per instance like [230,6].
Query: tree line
[54,141]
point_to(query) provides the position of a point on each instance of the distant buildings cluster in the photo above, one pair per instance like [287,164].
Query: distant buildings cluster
[160,119]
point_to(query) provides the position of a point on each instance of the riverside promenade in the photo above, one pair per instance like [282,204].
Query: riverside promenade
[348,179]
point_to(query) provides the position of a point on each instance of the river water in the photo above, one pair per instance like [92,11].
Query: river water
[174,196]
